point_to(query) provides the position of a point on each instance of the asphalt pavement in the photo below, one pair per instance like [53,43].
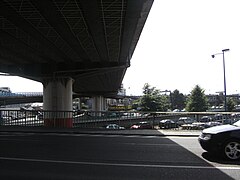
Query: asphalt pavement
[74,153]
[39,155]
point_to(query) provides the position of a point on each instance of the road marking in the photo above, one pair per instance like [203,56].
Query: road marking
[148,144]
[119,164]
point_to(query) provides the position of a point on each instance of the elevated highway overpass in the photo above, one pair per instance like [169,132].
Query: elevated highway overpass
[70,46]
[20,98]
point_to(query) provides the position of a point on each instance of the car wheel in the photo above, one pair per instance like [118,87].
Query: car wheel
[232,150]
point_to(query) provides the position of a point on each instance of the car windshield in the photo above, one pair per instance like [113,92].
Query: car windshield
[237,123]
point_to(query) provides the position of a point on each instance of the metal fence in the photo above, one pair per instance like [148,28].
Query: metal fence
[20,118]
[97,119]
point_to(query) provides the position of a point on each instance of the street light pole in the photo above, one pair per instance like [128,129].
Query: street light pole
[224,76]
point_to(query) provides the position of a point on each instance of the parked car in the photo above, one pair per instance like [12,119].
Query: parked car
[235,117]
[141,125]
[211,124]
[223,139]
[224,119]
[184,120]
[205,119]
[218,117]
[167,124]
[198,126]
[114,126]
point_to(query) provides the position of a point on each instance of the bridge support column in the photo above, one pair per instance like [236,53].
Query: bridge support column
[98,103]
[57,102]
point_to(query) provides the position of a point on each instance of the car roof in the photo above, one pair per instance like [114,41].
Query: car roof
[184,118]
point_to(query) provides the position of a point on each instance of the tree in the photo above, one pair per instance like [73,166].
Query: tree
[152,100]
[230,105]
[197,101]
[177,100]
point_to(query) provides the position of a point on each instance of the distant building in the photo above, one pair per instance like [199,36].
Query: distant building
[216,101]
[122,91]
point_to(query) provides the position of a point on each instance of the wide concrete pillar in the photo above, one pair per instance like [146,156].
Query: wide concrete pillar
[57,102]
[98,103]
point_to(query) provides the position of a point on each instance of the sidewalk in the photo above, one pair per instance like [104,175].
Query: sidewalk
[180,132]
[140,132]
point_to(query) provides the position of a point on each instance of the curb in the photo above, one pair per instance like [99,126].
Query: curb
[160,134]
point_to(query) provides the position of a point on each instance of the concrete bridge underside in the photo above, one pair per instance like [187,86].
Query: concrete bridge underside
[70,46]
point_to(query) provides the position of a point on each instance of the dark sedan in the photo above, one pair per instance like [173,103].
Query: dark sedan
[223,139]
[141,125]
[167,124]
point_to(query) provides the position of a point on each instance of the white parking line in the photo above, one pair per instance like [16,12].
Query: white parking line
[118,164]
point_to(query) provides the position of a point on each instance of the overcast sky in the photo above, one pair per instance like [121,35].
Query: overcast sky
[175,48]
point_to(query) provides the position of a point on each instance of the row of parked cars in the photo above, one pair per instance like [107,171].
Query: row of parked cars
[184,123]
[181,122]
[140,125]
[202,123]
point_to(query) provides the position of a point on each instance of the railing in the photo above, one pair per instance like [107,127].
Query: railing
[93,119]
[20,118]
[20,94]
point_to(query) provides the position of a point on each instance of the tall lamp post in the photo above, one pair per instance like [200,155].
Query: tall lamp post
[224,76]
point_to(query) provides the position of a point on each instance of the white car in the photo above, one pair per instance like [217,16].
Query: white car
[114,126]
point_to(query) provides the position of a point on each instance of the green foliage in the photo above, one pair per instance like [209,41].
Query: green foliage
[197,101]
[178,100]
[152,100]
[230,105]
[147,90]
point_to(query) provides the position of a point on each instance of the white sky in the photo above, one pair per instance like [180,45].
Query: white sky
[175,48]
